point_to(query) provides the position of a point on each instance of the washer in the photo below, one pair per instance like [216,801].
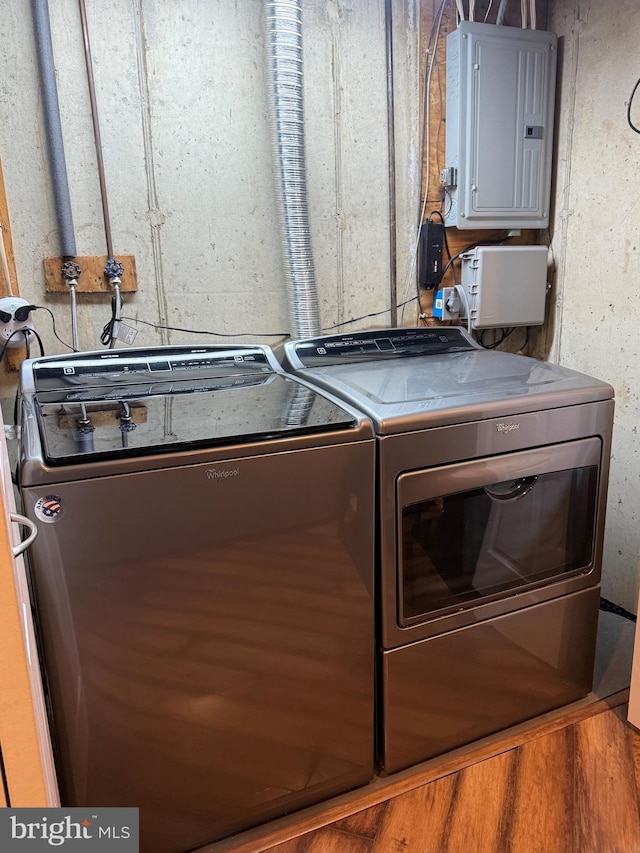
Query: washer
[491,491]
[203,579]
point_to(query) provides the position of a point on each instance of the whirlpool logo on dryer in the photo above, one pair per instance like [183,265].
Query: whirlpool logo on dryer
[220,474]
[507,427]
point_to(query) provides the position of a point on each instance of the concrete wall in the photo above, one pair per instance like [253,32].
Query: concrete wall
[596,245]
[183,109]
[182,101]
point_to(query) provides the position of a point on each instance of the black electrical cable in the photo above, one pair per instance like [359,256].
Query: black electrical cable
[20,332]
[367,316]
[631,124]
[505,333]
[53,323]
[107,330]
[39,339]
[610,607]
[201,332]
[503,337]
[472,246]
[15,405]
[260,334]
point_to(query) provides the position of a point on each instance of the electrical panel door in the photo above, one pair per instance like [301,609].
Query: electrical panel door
[500,105]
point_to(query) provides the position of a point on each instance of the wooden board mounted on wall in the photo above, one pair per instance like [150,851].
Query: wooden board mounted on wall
[92,278]
[15,355]
[9,288]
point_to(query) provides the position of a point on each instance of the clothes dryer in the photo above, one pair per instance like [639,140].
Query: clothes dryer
[491,489]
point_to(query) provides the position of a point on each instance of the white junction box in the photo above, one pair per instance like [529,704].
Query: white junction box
[499,126]
[505,285]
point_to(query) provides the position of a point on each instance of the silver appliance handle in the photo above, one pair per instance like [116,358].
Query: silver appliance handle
[511,490]
[422,485]
[16,518]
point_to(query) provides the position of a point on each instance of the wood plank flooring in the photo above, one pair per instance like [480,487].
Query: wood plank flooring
[571,790]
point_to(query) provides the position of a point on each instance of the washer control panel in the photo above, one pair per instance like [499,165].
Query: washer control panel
[153,364]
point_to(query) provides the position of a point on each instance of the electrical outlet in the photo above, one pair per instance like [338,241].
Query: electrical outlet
[15,315]
[446,300]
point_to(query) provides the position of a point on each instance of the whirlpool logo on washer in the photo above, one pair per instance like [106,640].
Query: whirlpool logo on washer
[506,428]
[220,474]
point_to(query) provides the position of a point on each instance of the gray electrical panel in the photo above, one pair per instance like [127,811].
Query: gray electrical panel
[505,285]
[499,127]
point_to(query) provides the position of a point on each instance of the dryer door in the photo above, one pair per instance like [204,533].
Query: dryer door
[481,530]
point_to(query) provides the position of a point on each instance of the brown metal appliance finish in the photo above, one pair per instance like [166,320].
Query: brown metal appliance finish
[492,480]
[206,614]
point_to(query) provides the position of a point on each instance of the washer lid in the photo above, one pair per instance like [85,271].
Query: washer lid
[166,399]
[434,388]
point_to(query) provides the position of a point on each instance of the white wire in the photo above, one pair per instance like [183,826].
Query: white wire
[462,293]
[488,10]
[427,148]
[533,21]
[501,11]
[423,107]
[523,13]
[472,10]
[460,9]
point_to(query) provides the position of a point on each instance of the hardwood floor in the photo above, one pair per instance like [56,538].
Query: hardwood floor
[570,788]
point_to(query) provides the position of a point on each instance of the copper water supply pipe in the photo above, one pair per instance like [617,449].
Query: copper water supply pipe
[391,146]
[96,129]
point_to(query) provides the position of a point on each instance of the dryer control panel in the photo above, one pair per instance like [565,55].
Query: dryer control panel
[378,345]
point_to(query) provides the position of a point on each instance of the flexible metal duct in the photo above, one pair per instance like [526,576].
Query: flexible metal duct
[42,30]
[299,406]
[283,20]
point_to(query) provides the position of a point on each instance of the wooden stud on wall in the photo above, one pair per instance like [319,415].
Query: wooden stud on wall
[8,275]
[7,288]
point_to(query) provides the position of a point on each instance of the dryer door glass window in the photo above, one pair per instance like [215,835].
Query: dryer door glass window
[465,547]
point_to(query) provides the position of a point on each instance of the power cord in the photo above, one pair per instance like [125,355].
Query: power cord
[53,323]
[462,293]
[472,246]
[105,335]
[201,332]
[367,316]
[26,332]
[610,607]
[631,124]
